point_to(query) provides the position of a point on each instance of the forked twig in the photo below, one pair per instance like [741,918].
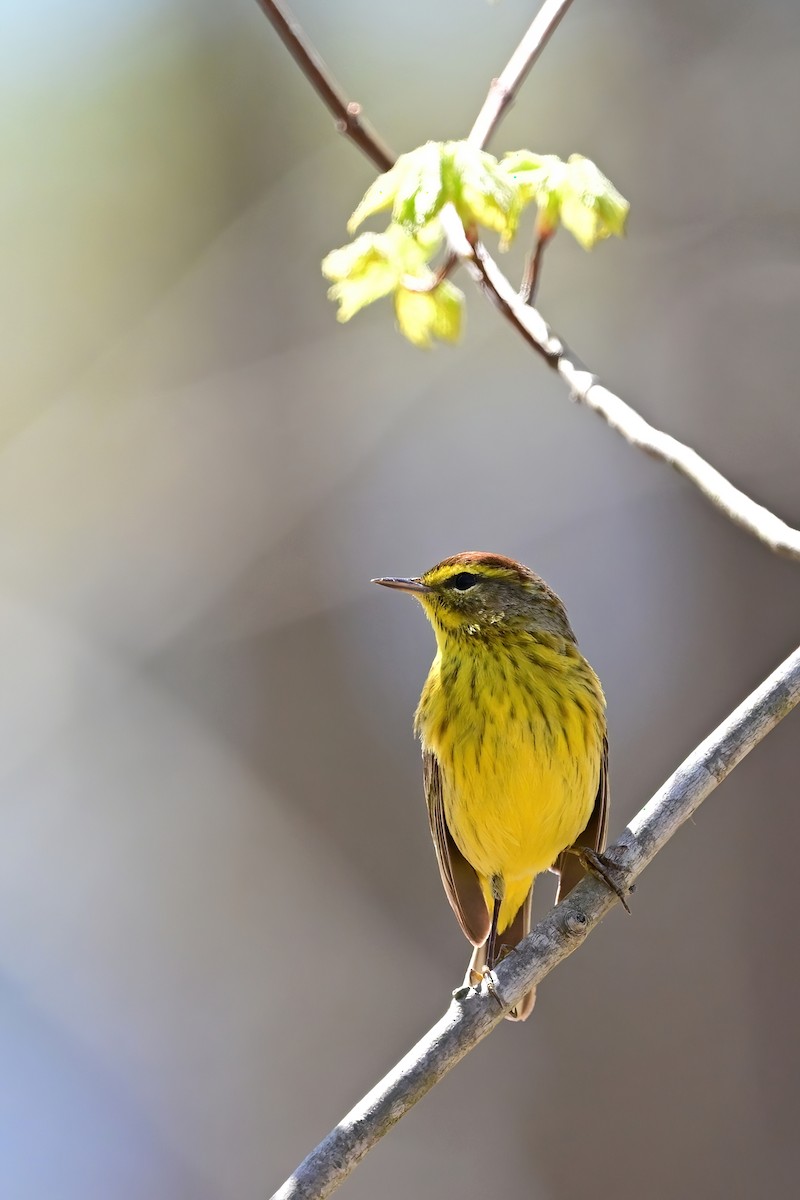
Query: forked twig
[735,504]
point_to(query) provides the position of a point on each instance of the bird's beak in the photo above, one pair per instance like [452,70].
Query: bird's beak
[404,585]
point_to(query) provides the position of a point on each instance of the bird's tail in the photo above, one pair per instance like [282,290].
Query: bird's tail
[507,940]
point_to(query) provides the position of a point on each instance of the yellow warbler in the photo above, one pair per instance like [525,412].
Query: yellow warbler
[515,755]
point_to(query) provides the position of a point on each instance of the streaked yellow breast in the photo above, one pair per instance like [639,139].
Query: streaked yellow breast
[517,725]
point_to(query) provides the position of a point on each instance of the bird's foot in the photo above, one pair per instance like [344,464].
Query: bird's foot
[476,981]
[603,868]
[478,978]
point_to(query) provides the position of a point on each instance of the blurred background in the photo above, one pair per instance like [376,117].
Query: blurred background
[220,916]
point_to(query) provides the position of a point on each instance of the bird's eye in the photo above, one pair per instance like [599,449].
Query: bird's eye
[463,581]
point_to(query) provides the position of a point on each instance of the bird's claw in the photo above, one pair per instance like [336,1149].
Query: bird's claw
[603,868]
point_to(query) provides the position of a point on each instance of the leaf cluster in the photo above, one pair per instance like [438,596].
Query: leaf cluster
[486,193]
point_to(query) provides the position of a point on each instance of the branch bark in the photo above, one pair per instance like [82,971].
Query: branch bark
[503,89]
[469,1020]
[346,113]
[587,390]
[533,267]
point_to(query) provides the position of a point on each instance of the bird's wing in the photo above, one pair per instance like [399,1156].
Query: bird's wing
[569,865]
[460,880]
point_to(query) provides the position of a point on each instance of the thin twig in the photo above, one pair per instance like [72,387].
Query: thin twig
[468,1020]
[584,387]
[533,266]
[413,283]
[503,90]
[347,113]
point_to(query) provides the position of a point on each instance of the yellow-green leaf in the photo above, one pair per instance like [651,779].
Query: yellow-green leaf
[420,191]
[378,196]
[575,193]
[423,181]
[423,316]
[537,176]
[371,267]
[482,193]
[591,207]
[412,189]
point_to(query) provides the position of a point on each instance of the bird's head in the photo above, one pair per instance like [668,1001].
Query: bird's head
[485,595]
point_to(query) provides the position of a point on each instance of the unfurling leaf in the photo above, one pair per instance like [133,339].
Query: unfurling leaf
[574,193]
[481,193]
[421,182]
[412,189]
[376,264]
[423,316]
[592,208]
[372,266]
[539,179]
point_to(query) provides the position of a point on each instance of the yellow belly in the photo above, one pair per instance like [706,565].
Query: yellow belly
[520,764]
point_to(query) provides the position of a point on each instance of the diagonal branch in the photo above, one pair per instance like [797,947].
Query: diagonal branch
[347,113]
[467,1021]
[584,388]
[503,90]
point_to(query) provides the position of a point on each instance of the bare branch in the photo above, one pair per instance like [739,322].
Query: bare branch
[503,90]
[533,266]
[467,1021]
[347,113]
[584,387]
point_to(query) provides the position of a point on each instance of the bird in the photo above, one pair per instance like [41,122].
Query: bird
[512,724]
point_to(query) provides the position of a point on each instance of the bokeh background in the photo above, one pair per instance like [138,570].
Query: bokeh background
[220,917]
